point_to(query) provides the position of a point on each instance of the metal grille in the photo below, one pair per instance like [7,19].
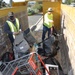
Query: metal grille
[25,65]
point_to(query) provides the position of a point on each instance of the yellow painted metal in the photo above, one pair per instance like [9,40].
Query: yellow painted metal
[20,6]
[19,3]
[17,7]
[4,12]
[47,3]
[46,0]
[56,6]
[53,0]
[33,0]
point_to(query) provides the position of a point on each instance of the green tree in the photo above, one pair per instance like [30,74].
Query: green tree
[40,2]
[37,6]
[69,1]
[73,1]
[1,3]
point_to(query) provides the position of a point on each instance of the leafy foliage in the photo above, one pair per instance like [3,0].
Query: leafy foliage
[34,8]
[2,4]
[37,6]
[69,1]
